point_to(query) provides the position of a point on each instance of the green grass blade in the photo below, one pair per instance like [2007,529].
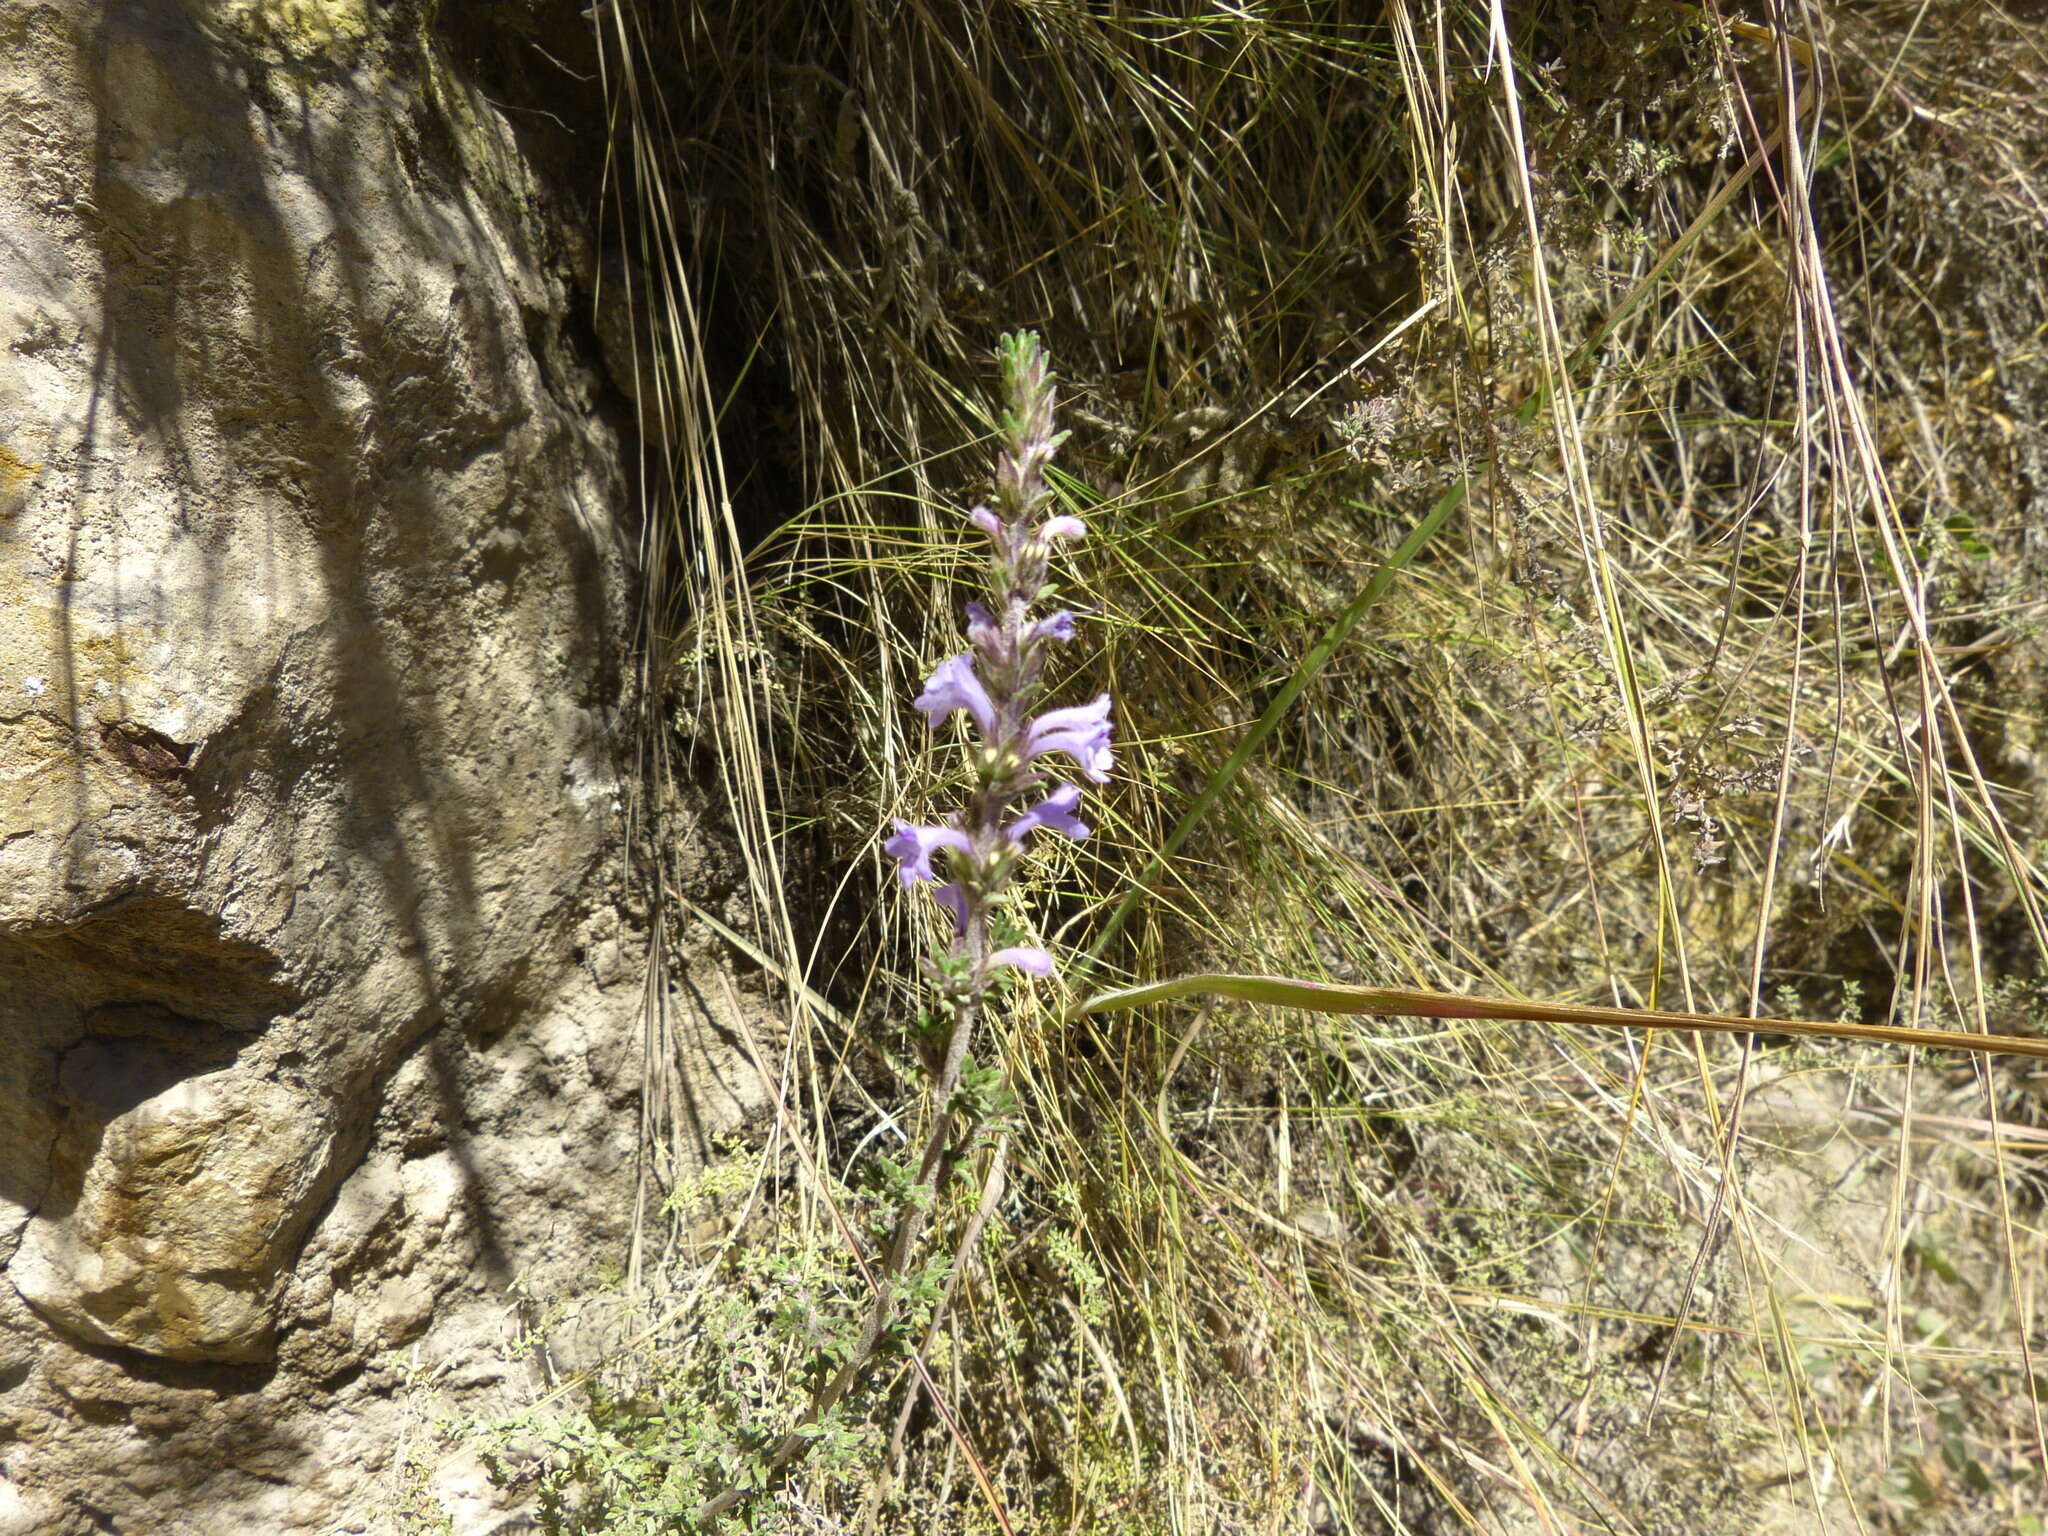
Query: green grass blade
[1276,710]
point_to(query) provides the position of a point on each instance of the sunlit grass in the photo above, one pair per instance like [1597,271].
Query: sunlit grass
[1714,685]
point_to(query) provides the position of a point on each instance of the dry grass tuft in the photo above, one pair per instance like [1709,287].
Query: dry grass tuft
[1716,347]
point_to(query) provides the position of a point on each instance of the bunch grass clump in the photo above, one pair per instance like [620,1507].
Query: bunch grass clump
[1562,484]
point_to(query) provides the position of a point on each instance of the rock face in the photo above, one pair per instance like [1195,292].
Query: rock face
[312,588]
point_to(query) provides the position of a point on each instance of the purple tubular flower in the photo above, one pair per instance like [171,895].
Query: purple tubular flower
[913,847]
[1025,957]
[954,900]
[981,627]
[954,686]
[987,522]
[1055,626]
[1063,528]
[1055,813]
[1082,732]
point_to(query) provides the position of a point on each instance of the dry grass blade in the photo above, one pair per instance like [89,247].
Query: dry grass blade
[1398,1002]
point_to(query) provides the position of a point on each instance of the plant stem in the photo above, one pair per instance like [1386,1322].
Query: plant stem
[940,1156]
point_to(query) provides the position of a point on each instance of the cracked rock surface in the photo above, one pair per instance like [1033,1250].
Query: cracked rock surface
[313,588]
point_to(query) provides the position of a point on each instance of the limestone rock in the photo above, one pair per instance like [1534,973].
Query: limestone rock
[303,617]
[313,593]
[189,1208]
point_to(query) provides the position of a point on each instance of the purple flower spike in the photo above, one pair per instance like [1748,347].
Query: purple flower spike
[1082,732]
[954,686]
[1055,626]
[970,859]
[913,847]
[1025,957]
[954,900]
[1055,813]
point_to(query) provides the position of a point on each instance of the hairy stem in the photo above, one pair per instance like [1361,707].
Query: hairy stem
[941,1153]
